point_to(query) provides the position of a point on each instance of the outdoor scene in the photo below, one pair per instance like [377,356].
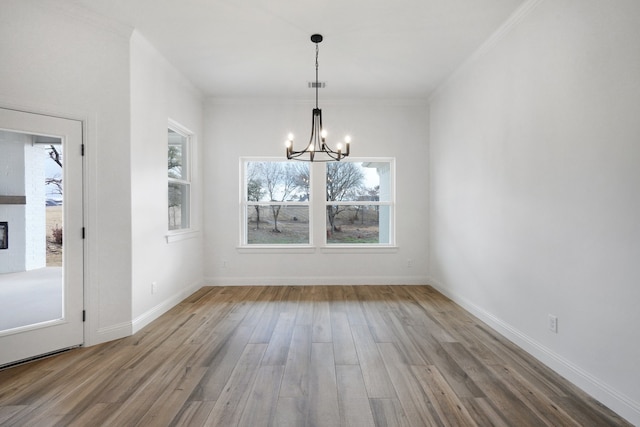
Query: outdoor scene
[53,181]
[178,175]
[278,203]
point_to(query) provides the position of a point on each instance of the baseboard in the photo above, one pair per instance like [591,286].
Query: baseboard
[158,310]
[607,395]
[110,333]
[315,280]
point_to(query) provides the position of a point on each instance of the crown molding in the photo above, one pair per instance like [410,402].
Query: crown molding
[512,22]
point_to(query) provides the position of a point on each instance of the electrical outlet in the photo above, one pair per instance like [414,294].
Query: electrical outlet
[154,287]
[409,263]
[224,263]
[553,323]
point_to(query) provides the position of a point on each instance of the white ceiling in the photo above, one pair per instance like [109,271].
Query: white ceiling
[261,48]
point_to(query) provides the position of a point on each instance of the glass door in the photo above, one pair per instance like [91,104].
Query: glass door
[41,237]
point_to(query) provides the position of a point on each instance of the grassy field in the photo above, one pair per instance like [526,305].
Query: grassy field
[54,250]
[293,226]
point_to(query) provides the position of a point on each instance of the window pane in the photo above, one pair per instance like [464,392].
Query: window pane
[356,181]
[277,224]
[277,181]
[177,156]
[178,206]
[353,224]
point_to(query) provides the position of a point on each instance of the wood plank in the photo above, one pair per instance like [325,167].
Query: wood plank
[585,411]
[278,346]
[222,362]
[389,413]
[417,406]
[270,316]
[404,343]
[483,412]
[435,354]
[373,307]
[10,411]
[97,414]
[447,404]
[295,382]
[344,348]
[532,397]
[353,401]
[174,396]
[323,394]
[230,404]
[376,378]
[260,409]
[353,307]
[193,414]
[321,316]
[291,412]
[508,405]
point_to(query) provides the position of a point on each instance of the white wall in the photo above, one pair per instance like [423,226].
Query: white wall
[160,93]
[64,62]
[259,128]
[35,213]
[535,166]
[12,183]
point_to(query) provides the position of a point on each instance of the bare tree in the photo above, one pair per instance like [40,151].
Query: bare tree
[255,190]
[55,181]
[281,180]
[301,172]
[344,182]
[55,155]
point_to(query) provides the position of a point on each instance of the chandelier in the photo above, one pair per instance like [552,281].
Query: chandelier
[317,150]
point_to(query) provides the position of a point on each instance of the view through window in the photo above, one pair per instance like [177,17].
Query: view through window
[179,188]
[278,203]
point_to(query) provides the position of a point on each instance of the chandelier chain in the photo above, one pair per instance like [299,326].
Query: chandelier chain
[317,83]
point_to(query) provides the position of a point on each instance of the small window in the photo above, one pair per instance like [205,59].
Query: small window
[179,176]
[359,202]
[275,203]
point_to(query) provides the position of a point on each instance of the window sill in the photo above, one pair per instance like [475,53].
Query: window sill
[359,249]
[273,249]
[176,236]
[304,249]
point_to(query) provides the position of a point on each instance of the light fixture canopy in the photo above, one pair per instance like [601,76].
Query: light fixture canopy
[317,150]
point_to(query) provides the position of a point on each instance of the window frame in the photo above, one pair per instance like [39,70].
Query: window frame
[390,202]
[245,203]
[186,180]
[317,205]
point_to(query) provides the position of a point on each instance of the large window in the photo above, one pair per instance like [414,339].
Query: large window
[179,177]
[357,203]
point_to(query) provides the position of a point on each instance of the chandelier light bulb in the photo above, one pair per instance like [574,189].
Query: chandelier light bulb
[323,133]
[347,139]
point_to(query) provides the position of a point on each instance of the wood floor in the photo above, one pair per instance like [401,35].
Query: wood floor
[300,356]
